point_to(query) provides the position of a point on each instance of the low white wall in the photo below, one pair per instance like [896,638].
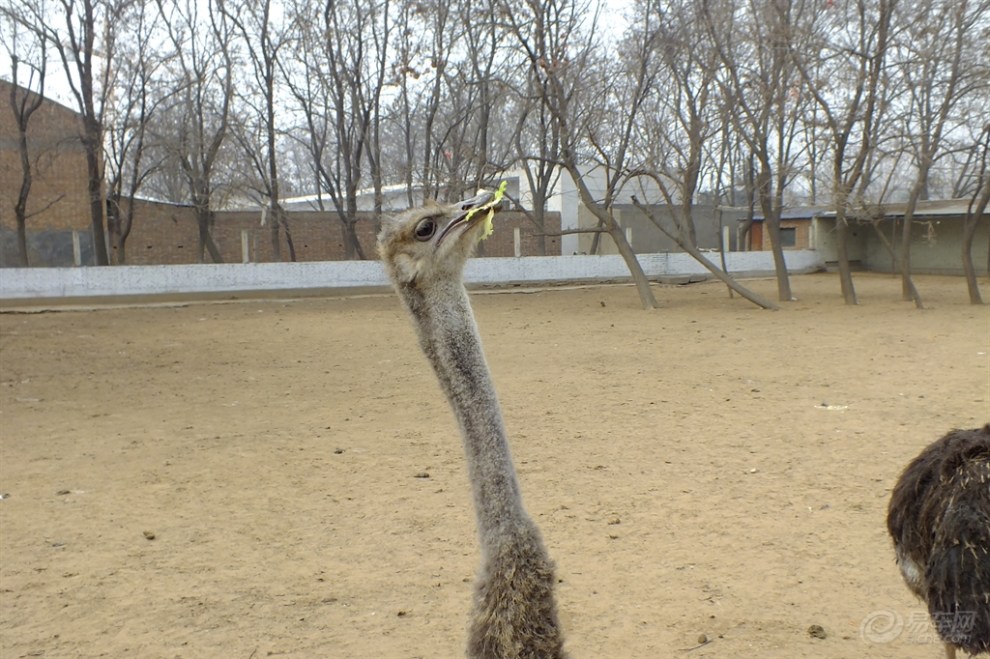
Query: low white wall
[48,283]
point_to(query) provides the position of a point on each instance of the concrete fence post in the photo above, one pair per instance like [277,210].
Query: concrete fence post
[76,249]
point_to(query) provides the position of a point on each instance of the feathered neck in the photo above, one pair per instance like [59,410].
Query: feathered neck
[449,337]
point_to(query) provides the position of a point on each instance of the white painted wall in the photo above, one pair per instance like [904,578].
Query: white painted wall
[52,283]
[565,196]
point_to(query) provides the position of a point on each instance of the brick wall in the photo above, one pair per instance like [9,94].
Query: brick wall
[802,235]
[162,233]
[59,198]
[167,234]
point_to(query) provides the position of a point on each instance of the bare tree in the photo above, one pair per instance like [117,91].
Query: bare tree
[761,90]
[979,199]
[849,51]
[481,142]
[262,37]
[381,41]
[409,42]
[536,135]
[424,52]
[339,95]
[933,60]
[26,96]
[679,119]
[537,144]
[736,181]
[697,255]
[195,127]
[83,34]
[135,103]
[451,116]
[595,124]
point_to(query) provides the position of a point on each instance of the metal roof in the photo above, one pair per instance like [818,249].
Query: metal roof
[930,208]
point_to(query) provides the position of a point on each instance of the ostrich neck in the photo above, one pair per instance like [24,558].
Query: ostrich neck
[450,340]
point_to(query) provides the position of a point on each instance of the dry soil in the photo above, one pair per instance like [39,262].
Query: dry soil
[283,478]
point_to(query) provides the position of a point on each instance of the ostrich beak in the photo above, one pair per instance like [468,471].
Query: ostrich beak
[464,218]
[480,199]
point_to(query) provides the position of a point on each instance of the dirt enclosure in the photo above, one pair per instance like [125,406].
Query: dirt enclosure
[283,478]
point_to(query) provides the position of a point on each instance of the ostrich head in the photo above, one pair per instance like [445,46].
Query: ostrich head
[430,244]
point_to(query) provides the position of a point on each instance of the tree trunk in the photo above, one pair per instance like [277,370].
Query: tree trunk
[24,105]
[771,224]
[695,253]
[119,221]
[744,236]
[842,247]
[596,240]
[22,251]
[606,220]
[113,226]
[20,208]
[120,249]
[886,242]
[352,246]
[94,144]
[904,260]
[967,261]
[345,238]
[96,211]
[541,238]
[779,264]
[204,220]
[539,218]
[635,269]
[908,290]
[728,280]
[274,234]
[972,220]
[288,236]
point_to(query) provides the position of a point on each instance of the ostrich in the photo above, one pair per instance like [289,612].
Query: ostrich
[939,519]
[424,251]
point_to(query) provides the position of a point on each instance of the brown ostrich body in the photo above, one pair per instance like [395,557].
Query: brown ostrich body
[515,613]
[939,519]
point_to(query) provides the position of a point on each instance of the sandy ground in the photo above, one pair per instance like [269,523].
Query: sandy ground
[249,479]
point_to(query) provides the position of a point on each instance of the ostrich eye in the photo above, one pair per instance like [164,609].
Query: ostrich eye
[425,229]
